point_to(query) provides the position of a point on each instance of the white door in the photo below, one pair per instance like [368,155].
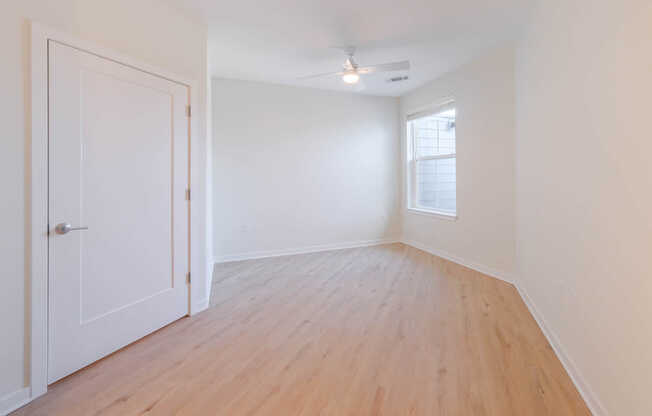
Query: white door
[118,165]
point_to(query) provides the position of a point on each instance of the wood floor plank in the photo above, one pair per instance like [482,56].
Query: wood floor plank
[385,330]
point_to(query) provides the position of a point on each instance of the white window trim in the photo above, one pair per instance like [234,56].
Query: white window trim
[432,213]
[411,205]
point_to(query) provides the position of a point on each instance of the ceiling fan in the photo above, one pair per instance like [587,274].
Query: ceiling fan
[351,71]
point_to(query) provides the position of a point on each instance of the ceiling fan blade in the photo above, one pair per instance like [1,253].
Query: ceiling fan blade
[392,66]
[324,75]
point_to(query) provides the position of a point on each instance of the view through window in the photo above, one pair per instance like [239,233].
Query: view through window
[432,164]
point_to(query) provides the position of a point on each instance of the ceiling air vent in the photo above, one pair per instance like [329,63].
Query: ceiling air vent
[397,79]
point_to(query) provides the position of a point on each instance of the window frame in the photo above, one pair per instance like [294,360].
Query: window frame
[413,159]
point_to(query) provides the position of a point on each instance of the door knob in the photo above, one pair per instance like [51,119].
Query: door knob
[65,228]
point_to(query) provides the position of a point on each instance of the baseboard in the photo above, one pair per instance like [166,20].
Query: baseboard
[14,400]
[200,305]
[19,398]
[589,396]
[302,250]
[489,271]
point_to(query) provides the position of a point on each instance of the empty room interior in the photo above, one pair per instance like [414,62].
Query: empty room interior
[276,207]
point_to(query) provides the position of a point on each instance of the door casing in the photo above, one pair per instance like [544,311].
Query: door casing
[38,233]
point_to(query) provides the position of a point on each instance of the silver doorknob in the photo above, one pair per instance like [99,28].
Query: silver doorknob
[65,228]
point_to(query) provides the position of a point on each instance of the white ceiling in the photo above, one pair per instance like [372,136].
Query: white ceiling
[280,40]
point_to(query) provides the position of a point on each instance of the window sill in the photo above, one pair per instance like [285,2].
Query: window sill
[434,214]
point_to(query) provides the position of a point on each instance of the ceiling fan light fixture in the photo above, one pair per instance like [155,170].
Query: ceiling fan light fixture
[351,77]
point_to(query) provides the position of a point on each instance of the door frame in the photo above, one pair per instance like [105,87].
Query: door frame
[38,234]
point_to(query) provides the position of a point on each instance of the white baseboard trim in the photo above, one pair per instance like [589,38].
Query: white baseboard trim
[489,271]
[19,398]
[589,396]
[302,250]
[200,305]
[14,400]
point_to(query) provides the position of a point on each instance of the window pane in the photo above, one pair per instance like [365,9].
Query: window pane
[436,184]
[435,135]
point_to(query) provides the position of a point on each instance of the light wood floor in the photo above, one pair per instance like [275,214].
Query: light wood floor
[386,330]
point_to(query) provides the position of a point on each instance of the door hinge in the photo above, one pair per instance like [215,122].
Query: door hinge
[188,277]
[187,194]
[188,111]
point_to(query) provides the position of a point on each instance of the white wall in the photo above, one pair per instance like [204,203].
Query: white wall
[483,234]
[584,181]
[142,29]
[296,168]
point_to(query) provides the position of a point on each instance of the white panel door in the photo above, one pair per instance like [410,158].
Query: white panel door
[118,165]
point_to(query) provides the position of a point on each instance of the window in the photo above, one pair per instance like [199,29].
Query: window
[432,163]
